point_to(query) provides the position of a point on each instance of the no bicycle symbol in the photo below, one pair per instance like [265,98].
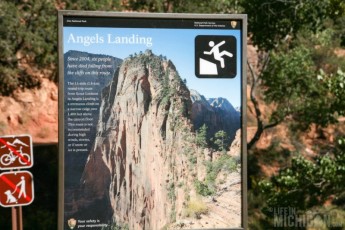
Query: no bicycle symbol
[16,152]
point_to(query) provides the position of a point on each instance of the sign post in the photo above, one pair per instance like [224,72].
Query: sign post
[17,218]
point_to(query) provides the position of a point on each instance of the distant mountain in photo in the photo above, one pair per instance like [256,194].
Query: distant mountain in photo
[216,113]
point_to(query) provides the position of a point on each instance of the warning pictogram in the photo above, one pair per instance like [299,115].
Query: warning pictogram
[16,189]
[215,56]
[16,152]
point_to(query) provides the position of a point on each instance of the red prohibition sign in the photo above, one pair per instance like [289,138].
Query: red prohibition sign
[16,152]
[16,189]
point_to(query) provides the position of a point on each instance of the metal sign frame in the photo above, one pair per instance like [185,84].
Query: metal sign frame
[94,29]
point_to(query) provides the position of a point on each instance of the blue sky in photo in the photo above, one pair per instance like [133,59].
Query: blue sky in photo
[176,44]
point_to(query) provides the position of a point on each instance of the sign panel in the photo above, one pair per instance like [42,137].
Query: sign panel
[16,152]
[152,129]
[16,189]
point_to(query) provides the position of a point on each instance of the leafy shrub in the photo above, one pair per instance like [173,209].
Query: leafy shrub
[202,188]
[225,163]
[327,218]
[201,136]
[8,81]
[11,80]
[308,183]
[192,159]
[171,191]
[196,207]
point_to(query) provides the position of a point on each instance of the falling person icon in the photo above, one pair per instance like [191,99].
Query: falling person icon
[216,53]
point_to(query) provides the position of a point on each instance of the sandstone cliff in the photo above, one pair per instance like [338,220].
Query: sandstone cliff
[33,112]
[139,144]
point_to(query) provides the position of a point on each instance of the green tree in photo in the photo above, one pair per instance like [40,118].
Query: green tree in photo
[201,136]
[28,41]
[104,5]
[183,6]
[221,140]
[299,77]
[291,55]
[307,184]
[275,22]
[300,93]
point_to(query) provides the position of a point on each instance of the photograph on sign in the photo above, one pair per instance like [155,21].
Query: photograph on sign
[16,152]
[16,189]
[151,121]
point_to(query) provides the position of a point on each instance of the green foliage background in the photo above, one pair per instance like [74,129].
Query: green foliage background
[301,78]
[299,75]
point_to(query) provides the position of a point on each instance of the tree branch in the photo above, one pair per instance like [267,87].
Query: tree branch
[255,81]
[255,102]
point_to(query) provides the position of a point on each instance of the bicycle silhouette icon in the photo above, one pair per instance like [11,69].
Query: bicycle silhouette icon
[16,152]
[9,158]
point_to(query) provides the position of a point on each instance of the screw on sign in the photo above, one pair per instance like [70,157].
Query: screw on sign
[16,189]
[16,152]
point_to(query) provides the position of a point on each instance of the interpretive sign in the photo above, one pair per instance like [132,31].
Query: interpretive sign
[16,152]
[152,121]
[16,188]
